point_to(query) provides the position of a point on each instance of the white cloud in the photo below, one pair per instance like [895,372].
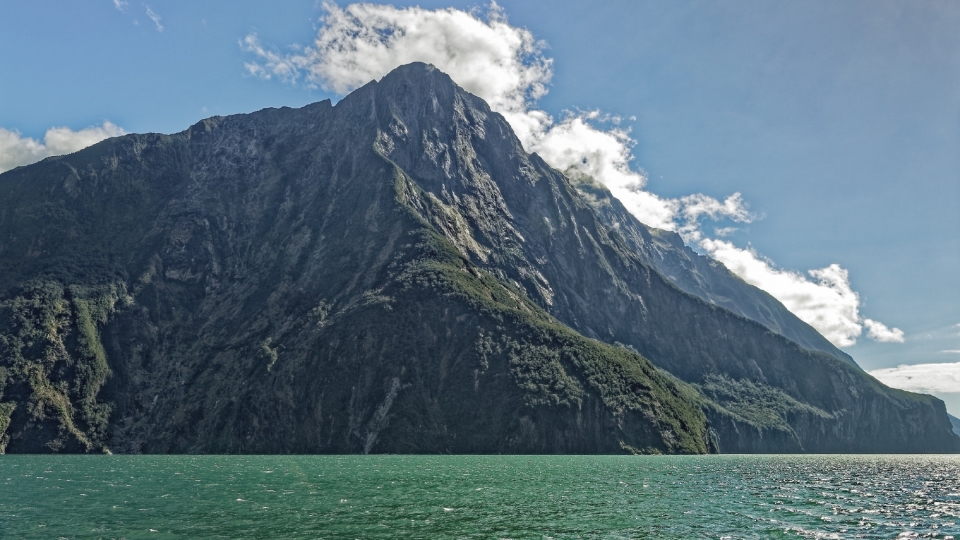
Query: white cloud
[826,302]
[16,150]
[879,332]
[951,351]
[490,58]
[575,143]
[121,5]
[505,66]
[697,205]
[927,378]
[154,17]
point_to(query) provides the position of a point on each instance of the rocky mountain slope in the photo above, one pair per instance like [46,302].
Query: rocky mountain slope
[390,274]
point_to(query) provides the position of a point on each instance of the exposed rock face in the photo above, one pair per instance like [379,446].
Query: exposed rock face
[392,274]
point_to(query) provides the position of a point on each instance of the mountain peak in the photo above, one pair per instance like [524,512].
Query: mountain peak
[416,88]
[417,71]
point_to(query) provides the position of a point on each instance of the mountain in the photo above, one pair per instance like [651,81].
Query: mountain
[390,274]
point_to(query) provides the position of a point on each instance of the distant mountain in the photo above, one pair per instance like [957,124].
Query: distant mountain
[390,274]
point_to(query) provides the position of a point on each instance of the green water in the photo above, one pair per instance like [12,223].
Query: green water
[516,497]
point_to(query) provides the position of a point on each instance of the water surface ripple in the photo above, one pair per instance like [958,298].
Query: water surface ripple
[515,497]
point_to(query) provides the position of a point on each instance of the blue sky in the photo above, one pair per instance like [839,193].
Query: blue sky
[837,122]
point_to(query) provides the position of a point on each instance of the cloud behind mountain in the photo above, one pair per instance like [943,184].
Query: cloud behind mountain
[927,378]
[17,150]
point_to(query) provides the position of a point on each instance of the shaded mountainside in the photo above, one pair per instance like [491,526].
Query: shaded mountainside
[392,274]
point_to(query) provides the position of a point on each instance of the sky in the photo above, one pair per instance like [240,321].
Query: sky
[813,147]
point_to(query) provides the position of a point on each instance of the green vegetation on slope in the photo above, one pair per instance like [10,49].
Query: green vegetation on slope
[53,363]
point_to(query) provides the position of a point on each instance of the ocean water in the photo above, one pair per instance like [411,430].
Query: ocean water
[517,497]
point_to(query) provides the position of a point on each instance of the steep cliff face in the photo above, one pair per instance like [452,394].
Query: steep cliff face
[392,274]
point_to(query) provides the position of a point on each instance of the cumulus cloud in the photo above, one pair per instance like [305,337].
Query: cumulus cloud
[498,62]
[926,378]
[878,331]
[154,17]
[574,143]
[505,66]
[823,300]
[16,150]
